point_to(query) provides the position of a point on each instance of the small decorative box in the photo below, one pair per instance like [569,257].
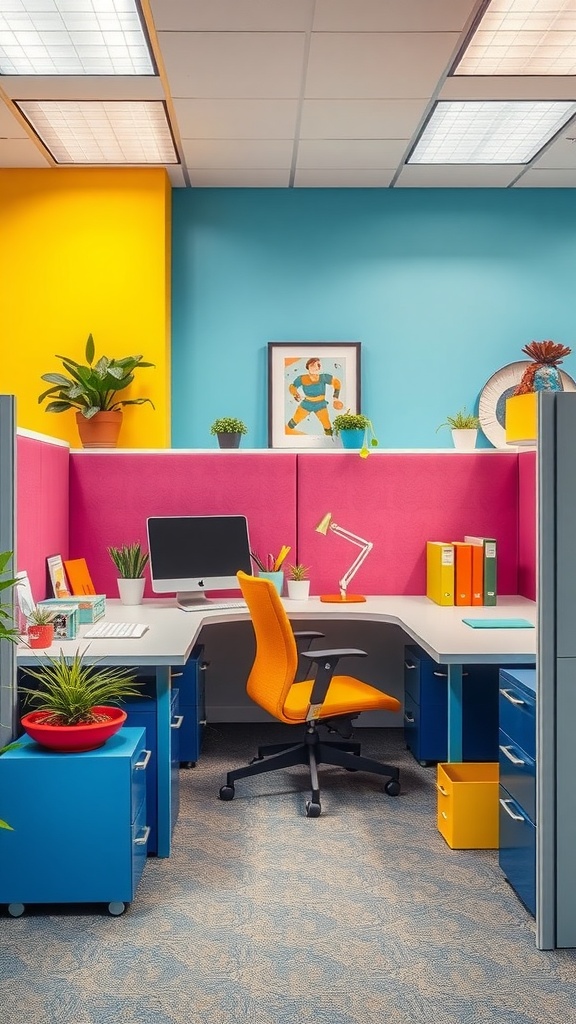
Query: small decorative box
[91,607]
[66,617]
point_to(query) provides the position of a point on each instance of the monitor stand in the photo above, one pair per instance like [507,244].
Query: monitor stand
[192,601]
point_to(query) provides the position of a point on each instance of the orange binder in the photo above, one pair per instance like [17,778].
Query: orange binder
[79,577]
[462,572]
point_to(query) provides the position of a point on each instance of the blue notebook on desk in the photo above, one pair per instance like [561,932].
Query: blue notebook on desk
[499,623]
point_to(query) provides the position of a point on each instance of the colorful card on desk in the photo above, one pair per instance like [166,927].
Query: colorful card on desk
[499,623]
[79,577]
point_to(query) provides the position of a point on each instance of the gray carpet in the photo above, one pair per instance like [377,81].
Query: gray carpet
[361,916]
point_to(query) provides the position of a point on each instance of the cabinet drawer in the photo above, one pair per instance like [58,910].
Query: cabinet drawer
[140,834]
[518,774]
[517,707]
[517,856]
[424,680]
[425,734]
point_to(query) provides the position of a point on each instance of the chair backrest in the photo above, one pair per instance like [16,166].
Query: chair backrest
[276,661]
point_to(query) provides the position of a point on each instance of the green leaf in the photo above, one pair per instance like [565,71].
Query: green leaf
[90,349]
[4,824]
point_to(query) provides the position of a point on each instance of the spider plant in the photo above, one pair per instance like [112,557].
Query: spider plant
[130,560]
[70,690]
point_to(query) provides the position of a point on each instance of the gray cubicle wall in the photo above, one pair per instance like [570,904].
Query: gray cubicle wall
[556,666]
[7,543]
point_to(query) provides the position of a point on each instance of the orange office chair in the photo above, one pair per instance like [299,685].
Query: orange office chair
[328,700]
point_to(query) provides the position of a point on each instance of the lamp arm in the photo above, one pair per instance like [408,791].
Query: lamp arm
[347,577]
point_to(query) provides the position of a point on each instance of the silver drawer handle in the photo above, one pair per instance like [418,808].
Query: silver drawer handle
[176,675]
[408,664]
[146,758]
[509,696]
[143,839]
[444,675]
[178,719]
[511,757]
[409,718]
[515,817]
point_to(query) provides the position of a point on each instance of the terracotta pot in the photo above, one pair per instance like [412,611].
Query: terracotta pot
[73,739]
[40,636]
[101,431]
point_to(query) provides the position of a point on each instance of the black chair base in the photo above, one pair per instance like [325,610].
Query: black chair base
[312,752]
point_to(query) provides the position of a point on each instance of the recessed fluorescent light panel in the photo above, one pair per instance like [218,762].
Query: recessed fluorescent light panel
[522,37]
[489,132]
[73,37]
[102,132]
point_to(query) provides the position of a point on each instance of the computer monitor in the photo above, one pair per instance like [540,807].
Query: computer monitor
[190,555]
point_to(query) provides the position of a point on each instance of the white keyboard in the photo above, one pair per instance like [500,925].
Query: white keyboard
[115,630]
[216,605]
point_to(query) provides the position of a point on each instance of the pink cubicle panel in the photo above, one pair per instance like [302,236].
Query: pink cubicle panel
[112,494]
[42,507]
[399,501]
[527,524]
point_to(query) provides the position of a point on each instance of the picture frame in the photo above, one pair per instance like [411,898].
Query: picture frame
[58,578]
[302,406]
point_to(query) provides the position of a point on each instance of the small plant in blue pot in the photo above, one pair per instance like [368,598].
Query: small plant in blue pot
[356,431]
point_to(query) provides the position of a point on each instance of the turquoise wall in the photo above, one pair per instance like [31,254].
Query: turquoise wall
[442,288]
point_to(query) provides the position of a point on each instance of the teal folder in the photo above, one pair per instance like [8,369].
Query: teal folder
[499,623]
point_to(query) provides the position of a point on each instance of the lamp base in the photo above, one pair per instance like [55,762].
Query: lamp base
[338,599]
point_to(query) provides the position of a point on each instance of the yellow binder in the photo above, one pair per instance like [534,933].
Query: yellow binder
[440,572]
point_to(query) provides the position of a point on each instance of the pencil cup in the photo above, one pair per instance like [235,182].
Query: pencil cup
[277,579]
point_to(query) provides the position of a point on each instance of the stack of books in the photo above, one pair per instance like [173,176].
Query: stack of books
[462,572]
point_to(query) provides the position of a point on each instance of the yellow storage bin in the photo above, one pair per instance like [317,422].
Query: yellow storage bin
[468,804]
[522,419]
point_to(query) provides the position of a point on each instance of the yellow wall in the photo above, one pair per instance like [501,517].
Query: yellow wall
[86,251]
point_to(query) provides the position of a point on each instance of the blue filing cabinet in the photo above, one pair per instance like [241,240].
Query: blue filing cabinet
[141,712]
[426,709]
[191,682]
[79,823]
[517,749]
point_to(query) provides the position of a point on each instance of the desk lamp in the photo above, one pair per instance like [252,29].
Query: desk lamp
[323,526]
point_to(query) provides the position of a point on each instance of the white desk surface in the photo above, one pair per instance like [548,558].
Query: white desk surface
[439,631]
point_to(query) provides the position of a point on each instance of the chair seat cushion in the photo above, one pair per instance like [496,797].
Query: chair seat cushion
[346,695]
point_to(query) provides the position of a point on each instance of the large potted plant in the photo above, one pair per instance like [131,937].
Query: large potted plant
[130,561]
[75,703]
[92,390]
[229,431]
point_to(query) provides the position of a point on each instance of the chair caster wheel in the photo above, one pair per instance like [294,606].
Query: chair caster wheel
[312,809]
[116,908]
[227,793]
[392,787]
[16,909]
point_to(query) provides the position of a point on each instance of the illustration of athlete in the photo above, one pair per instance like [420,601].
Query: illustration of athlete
[314,384]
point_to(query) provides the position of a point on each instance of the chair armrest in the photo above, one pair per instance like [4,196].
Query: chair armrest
[325,671]
[305,637]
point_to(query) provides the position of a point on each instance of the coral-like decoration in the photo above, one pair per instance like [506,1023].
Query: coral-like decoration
[542,374]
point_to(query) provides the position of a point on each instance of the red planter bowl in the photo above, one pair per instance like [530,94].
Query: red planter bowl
[41,636]
[73,739]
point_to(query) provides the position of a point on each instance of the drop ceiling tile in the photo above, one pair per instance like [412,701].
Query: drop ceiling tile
[232,15]
[360,119]
[82,87]
[457,176]
[402,16]
[249,178]
[257,65]
[10,126]
[236,119]
[21,153]
[379,65]
[547,178]
[369,154]
[560,155]
[229,154]
[337,178]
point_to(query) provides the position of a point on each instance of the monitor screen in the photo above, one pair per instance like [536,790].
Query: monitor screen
[190,555]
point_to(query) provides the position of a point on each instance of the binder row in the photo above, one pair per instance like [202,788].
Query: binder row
[462,572]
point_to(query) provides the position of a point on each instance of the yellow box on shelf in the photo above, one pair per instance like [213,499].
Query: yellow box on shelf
[468,804]
[522,419]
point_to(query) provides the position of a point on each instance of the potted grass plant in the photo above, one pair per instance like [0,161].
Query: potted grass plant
[75,704]
[464,427]
[228,430]
[130,561]
[40,627]
[298,582]
[92,389]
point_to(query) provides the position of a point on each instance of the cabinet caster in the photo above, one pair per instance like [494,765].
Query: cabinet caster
[312,809]
[392,787]
[227,793]
[16,909]
[116,908]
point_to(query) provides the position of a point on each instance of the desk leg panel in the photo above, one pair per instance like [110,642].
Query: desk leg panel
[454,712]
[163,763]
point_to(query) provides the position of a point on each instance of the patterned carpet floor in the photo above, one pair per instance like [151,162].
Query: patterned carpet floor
[262,915]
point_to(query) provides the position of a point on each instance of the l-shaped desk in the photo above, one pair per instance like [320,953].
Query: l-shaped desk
[173,633]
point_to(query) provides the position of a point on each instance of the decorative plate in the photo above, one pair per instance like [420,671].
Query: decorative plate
[500,386]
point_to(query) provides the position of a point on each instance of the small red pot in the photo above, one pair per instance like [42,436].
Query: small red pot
[73,739]
[41,636]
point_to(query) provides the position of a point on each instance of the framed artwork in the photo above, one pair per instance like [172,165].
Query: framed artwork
[58,580]
[309,383]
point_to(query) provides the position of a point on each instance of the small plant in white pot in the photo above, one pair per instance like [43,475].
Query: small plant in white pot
[298,582]
[130,561]
[464,427]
